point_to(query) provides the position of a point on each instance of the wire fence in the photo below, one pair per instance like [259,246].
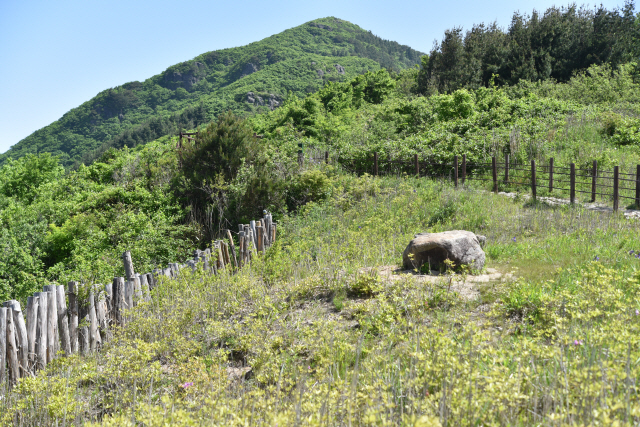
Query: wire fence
[589,183]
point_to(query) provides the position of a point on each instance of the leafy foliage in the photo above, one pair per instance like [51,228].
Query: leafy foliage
[553,45]
[246,80]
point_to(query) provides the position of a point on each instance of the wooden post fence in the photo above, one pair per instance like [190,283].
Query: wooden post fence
[637,204]
[594,179]
[572,183]
[455,171]
[533,179]
[417,164]
[616,182]
[494,170]
[550,175]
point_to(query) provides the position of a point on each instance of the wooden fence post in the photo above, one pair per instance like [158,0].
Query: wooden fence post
[533,179]
[232,246]
[637,186]
[572,178]
[417,165]
[32,319]
[63,320]
[326,157]
[101,312]
[300,154]
[72,291]
[494,170]
[95,341]
[550,175]
[12,349]
[594,178]
[52,323]
[616,182]
[118,300]
[41,330]
[22,341]
[506,168]
[129,272]
[3,343]
[464,168]
[455,171]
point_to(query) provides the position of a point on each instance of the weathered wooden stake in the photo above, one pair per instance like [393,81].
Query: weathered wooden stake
[72,291]
[129,272]
[233,249]
[616,183]
[32,319]
[594,179]
[533,179]
[241,248]
[225,252]
[52,323]
[137,290]
[118,300]
[637,186]
[63,320]
[95,342]
[550,174]
[572,182]
[455,171]
[3,343]
[494,170]
[326,157]
[144,285]
[22,341]
[260,231]
[417,164]
[101,312]
[13,364]
[128,294]
[41,330]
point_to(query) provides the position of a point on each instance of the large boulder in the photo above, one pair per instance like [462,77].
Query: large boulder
[461,247]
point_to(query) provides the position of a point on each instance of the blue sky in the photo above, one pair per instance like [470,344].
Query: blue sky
[55,55]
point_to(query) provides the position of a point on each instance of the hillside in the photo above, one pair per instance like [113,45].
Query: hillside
[247,80]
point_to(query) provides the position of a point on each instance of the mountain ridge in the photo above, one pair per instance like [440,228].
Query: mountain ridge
[248,79]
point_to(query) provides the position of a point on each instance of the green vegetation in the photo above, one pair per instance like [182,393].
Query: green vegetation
[246,80]
[323,329]
[329,338]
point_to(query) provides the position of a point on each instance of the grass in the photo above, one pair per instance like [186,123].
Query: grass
[329,342]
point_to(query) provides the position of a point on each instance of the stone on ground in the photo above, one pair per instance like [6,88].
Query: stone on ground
[460,246]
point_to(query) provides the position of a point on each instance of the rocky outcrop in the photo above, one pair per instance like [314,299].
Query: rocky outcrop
[249,68]
[320,73]
[339,69]
[273,101]
[185,79]
[324,27]
[461,247]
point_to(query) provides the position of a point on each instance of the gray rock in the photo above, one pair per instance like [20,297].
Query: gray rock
[249,68]
[461,247]
[274,101]
[320,73]
[339,68]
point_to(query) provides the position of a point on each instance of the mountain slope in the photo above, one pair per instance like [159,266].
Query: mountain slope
[248,79]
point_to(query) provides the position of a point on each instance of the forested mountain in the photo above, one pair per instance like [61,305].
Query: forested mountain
[248,79]
[554,44]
